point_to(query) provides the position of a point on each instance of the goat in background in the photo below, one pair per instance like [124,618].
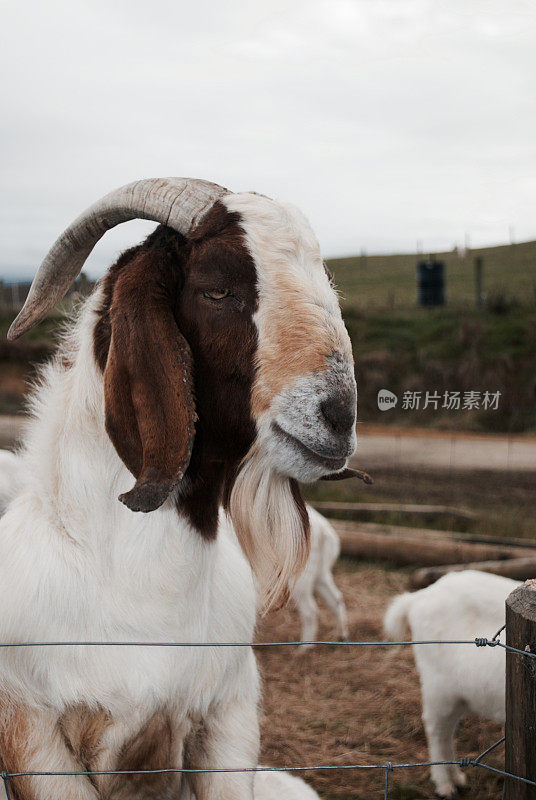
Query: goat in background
[317,579]
[455,679]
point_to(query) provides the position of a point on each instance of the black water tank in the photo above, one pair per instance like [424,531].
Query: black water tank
[431,283]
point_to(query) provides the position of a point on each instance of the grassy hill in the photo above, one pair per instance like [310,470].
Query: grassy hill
[401,347]
[447,350]
[509,274]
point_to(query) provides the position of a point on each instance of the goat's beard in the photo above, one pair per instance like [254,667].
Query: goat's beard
[272,526]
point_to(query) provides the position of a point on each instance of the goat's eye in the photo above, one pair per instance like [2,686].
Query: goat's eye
[218,295]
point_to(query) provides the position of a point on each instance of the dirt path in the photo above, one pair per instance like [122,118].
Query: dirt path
[409,448]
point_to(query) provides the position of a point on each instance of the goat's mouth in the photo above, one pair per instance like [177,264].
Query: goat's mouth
[330,463]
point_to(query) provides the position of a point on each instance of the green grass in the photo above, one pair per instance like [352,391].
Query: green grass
[44,332]
[399,346]
[447,349]
[509,273]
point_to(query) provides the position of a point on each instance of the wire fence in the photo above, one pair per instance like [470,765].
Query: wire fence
[387,767]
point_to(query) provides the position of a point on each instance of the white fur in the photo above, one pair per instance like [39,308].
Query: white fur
[75,564]
[317,579]
[283,246]
[278,786]
[455,679]
[10,478]
[296,409]
[268,526]
[280,239]
[282,786]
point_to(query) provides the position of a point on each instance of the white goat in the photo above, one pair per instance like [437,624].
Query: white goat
[10,477]
[282,786]
[455,679]
[278,786]
[211,363]
[317,578]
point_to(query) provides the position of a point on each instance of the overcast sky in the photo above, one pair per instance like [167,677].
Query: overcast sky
[386,121]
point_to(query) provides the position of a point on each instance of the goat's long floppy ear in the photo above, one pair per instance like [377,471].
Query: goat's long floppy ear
[148,386]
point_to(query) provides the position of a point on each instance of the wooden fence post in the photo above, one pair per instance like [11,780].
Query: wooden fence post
[479,298]
[520,729]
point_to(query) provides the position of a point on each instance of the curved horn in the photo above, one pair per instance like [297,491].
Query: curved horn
[179,203]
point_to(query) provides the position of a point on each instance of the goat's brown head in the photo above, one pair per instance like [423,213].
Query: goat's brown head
[225,359]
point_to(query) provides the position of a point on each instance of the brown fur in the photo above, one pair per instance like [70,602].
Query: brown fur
[82,729]
[161,343]
[150,412]
[80,740]
[15,728]
[297,341]
[156,745]
[34,740]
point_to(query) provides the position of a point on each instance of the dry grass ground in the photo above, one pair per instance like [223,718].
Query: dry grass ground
[356,705]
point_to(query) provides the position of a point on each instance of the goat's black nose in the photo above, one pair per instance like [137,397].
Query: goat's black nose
[339,412]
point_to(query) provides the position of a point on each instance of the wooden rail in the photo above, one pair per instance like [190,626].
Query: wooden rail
[360,510]
[401,545]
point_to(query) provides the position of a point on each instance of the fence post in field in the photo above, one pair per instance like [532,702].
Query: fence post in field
[478,282]
[520,730]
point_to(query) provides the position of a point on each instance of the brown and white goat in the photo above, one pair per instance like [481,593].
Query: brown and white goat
[210,363]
